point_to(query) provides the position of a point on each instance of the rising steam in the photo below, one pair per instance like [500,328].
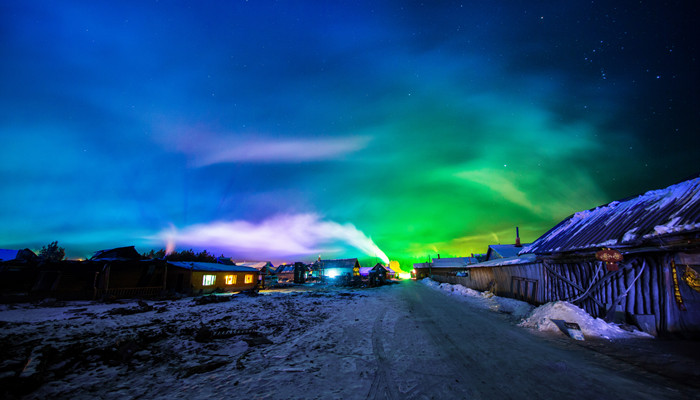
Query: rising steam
[277,237]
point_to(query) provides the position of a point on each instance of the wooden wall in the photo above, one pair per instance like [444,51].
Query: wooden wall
[643,287]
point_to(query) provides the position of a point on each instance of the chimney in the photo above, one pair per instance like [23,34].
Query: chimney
[517,237]
[438,256]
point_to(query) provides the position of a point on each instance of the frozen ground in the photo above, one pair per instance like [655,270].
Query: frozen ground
[411,340]
[543,318]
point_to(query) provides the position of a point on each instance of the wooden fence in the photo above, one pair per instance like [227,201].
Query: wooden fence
[642,291]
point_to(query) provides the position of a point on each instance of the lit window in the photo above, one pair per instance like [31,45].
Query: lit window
[249,278]
[208,280]
[230,279]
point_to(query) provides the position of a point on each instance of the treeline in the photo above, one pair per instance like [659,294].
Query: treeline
[184,255]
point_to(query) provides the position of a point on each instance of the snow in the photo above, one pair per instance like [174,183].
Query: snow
[630,235]
[86,349]
[485,300]
[541,318]
[8,255]
[677,201]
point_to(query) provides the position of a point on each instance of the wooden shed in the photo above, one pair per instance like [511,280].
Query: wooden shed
[204,278]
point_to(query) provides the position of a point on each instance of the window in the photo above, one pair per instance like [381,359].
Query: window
[230,279]
[249,278]
[208,280]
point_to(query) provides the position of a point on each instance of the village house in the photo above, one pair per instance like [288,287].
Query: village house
[267,274]
[348,268]
[18,270]
[204,278]
[123,272]
[443,266]
[636,260]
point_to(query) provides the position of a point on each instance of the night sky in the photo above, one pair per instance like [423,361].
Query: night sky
[284,130]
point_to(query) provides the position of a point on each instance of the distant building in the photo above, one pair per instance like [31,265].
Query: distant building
[267,273]
[349,267]
[443,266]
[204,278]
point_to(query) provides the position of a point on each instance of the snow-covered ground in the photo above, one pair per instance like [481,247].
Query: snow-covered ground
[542,318]
[171,349]
[317,342]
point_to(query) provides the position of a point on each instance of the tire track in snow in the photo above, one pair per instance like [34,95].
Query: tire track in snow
[382,387]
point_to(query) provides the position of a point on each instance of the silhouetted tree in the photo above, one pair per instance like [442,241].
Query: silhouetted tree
[52,252]
[183,255]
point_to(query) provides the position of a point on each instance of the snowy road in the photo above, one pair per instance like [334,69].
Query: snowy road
[404,341]
[462,352]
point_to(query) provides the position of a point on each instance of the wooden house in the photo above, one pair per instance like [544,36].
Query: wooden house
[444,267]
[636,260]
[378,275]
[203,278]
[656,284]
[285,273]
[331,269]
[267,273]
[297,272]
[123,272]
[18,272]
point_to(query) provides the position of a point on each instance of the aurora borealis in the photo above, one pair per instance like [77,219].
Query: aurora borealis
[284,130]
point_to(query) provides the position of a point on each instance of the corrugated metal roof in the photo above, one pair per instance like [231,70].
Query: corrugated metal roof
[626,223]
[202,266]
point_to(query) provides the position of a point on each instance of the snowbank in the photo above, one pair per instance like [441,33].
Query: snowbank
[541,318]
[518,309]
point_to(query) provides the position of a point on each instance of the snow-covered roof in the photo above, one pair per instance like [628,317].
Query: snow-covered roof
[341,263]
[8,255]
[203,266]
[259,265]
[502,262]
[503,250]
[453,262]
[628,222]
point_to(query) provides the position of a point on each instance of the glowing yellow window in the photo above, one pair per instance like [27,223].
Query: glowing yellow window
[208,280]
[249,278]
[230,279]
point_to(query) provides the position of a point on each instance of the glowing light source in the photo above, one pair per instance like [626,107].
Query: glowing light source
[208,280]
[332,273]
